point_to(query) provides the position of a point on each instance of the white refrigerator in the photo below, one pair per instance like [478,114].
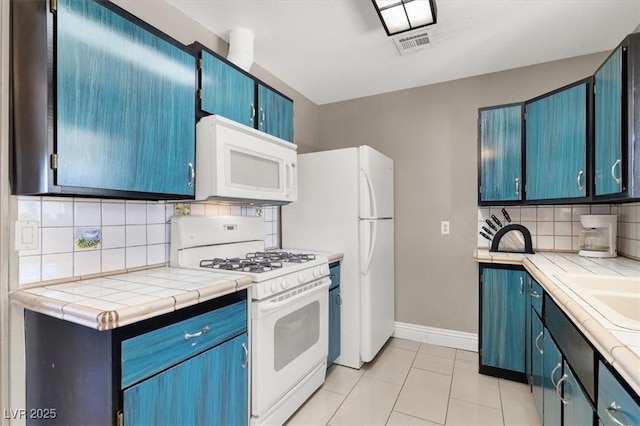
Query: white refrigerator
[345,204]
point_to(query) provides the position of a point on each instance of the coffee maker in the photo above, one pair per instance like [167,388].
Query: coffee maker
[599,235]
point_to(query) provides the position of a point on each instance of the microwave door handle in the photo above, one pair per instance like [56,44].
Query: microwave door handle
[292,178]
[288,176]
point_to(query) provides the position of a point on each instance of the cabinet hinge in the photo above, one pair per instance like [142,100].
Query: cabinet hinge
[200,63]
[54,6]
[199,93]
[525,116]
[480,189]
[594,88]
[119,418]
[54,161]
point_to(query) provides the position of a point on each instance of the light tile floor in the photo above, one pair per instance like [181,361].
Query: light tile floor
[412,383]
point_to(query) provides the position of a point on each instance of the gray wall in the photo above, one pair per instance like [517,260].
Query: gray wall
[165,17]
[431,134]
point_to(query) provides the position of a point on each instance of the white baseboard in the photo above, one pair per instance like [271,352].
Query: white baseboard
[437,336]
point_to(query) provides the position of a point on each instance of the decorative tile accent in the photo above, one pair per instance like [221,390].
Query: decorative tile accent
[88,239]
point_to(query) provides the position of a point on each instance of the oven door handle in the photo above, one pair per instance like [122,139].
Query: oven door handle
[263,308]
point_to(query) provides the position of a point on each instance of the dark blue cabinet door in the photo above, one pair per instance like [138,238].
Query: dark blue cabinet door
[501,154]
[608,126]
[552,374]
[209,389]
[537,362]
[577,409]
[125,104]
[334,325]
[275,114]
[226,91]
[503,319]
[556,135]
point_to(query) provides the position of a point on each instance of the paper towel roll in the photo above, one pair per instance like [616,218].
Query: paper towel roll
[241,47]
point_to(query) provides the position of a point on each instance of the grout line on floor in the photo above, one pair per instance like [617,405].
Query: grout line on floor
[402,386]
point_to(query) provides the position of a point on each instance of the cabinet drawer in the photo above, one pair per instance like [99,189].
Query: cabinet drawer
[152,352]
[536,297]
[615,405]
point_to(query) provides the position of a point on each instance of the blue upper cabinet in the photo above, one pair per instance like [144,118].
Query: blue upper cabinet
[275,113]
[500,154]
[608,126]
[616,121]
[226,91]
[118,99]
[503,305]
[556,144]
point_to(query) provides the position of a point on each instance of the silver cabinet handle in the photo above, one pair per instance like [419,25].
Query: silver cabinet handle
[615,407]
[579,180]
[517,186]
[192,174]
[536,343]
[246,355]
[521,285]
[562,379]
[535,294]
[553,374]
[253,113]
[613,171]
[339,300]
[202,332]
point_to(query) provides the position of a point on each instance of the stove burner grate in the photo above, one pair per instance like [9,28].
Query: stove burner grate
[243,265]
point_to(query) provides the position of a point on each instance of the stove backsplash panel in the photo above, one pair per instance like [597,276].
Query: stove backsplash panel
[80,237]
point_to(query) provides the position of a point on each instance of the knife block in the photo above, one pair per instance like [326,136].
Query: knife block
[527,246]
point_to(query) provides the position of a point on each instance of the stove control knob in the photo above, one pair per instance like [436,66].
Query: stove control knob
[324,269]
[284,284]
[316,273]
[274,287]
[301,278]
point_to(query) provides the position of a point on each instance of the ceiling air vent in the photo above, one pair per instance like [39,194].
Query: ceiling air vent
[412,42]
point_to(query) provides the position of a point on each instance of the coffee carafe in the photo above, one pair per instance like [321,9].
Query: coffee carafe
[599,235]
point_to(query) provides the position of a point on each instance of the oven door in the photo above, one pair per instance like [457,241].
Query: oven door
[289,339]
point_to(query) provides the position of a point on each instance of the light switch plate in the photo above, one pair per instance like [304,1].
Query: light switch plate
[26,235]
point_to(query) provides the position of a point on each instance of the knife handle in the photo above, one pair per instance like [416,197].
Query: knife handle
[485,235]
[487,230]
[491,225]
[496,220]
[506,215]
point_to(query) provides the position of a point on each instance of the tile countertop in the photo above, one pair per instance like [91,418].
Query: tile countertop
[617,345]
[114,301]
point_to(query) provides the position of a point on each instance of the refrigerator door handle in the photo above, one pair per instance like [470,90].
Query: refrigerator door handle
[372,195]
[373,230]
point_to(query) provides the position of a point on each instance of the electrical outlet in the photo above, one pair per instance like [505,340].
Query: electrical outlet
[444,228]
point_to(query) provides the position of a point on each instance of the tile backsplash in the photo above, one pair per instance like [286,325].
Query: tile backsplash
[557,227]
[79,237]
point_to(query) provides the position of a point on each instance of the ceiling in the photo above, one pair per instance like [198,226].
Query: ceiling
[334,50]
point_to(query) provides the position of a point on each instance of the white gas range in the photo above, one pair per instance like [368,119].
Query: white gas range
[289,308]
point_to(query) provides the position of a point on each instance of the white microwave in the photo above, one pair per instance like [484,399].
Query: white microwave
[238,164]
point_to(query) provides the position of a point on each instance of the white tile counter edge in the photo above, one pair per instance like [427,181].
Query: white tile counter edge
[616,345]
[179,288]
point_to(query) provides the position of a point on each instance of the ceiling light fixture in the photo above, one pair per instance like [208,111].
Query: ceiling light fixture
[398,16]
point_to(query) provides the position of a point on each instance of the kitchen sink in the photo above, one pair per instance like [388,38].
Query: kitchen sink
[616,298]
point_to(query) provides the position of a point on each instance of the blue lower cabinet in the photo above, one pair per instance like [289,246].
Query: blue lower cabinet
[334,313]
[503,296]
[334,325]
[577,409]
[537,363]
[552,369]
[209,389]
[616,405]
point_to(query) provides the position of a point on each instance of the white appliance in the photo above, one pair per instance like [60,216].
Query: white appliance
[599,235]
[346,205]
[238,164]
[289,307]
